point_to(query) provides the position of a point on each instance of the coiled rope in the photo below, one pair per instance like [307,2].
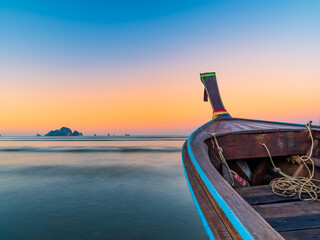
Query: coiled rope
[289,186]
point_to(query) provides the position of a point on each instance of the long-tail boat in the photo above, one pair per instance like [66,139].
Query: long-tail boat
[253,179]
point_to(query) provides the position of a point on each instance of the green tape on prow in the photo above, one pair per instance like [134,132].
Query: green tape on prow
[207,75]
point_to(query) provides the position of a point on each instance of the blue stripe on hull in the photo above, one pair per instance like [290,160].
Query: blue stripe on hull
[203,219]
[243,232]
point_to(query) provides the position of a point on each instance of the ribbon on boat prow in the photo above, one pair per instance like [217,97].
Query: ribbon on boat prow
[217,113]
[211,88]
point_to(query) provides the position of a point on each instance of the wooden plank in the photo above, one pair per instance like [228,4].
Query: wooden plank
[291,215]
[249,218]
[217,227]
[272,126]
[237,125]
[306,234]
[295,223]
[282,209]
[262,194]
[247,146]
[240,124]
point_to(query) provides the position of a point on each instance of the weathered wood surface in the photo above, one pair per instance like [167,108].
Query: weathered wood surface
[239,125]
[235,126]
[217,227]
[305,234]
[231,229]
[291,215]
[211,87]
[262,195]
[247,146]
[250,219]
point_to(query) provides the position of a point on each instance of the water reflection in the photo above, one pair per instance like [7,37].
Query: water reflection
[94,194]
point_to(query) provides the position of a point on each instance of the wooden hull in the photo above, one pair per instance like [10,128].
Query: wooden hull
[252,212]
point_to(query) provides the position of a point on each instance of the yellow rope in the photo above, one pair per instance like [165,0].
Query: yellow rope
[288,186]
[220,152]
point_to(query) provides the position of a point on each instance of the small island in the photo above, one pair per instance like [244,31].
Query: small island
[64,131]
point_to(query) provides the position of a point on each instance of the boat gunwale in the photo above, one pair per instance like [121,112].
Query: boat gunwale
[257,131]
[201,215]
[243,232]
[240,228]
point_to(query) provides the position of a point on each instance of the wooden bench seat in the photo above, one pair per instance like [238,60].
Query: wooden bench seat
[305,234]
[262,195]
[289,216]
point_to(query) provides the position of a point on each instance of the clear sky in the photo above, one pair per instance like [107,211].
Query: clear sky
[133,66]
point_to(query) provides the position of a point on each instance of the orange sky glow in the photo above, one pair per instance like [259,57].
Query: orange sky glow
[142,77]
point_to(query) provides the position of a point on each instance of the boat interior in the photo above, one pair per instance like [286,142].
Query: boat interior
[257,152]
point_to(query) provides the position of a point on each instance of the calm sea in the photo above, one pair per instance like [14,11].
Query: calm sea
[95,188]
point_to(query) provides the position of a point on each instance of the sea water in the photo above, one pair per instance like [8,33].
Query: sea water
[95,188]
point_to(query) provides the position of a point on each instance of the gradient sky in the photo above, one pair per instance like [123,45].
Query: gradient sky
[133,66]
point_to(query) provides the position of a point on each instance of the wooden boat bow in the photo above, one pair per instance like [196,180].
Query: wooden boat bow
[218,203]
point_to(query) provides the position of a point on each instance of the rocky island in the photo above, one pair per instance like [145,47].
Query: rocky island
[64,131]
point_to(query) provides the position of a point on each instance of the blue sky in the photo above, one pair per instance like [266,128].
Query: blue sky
[71,47]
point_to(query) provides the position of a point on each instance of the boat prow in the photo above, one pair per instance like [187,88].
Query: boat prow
[229,164]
